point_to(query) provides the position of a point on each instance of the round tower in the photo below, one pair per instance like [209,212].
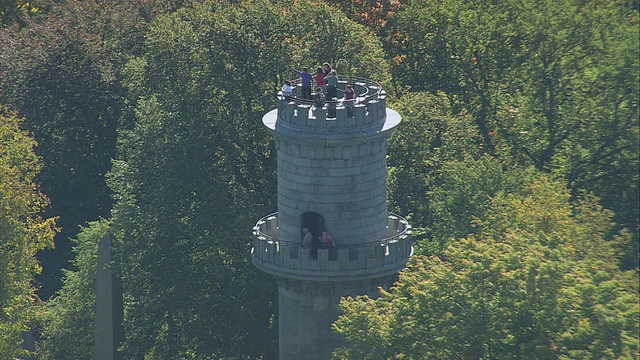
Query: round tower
[331,175]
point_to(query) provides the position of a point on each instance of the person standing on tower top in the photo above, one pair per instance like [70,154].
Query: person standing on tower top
[332,83]
[319,98]
[287,91]
[319,77]
[306,82]
[349,99]
[327,68]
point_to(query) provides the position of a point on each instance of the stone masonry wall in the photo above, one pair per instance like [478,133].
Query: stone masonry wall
[344,181]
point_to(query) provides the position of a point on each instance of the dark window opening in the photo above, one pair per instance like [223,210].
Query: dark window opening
[315,223]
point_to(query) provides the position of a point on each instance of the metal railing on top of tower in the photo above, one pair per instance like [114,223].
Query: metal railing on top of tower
[367,109]
[365,90]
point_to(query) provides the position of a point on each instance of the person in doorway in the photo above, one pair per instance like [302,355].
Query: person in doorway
[307,238]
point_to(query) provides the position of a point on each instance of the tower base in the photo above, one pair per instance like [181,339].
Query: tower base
[308,308]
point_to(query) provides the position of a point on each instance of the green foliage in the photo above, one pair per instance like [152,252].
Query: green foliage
[62,71]
[59,72]
[15,11]
[318,33]
[551,84]
[536,282]
[68,321]
[196,170]
[438,175]
[485,90]
[429,137]
[23,232]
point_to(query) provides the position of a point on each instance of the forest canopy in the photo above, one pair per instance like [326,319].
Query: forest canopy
[516,164]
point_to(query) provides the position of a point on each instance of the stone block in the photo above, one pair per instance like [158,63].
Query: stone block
[350,123]
[320,114]
[372,108]
[303,111]
[293,150]
[363,150]
[354,151]
[359,111]
[323,258]
[346,152]
[332,125]
[328,153]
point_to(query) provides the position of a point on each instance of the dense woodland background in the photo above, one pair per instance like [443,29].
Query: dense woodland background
[516,164]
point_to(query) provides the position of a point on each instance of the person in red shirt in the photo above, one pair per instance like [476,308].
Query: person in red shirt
[319,78]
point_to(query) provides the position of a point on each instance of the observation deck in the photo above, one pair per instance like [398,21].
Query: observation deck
[342,262]
[366,114]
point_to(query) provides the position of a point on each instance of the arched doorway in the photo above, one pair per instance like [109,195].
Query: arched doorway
[315,223]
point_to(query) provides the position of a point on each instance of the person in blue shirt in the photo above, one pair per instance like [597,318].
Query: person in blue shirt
[306,82]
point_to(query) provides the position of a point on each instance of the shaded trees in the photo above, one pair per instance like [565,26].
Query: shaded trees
[58,74]
[439,175]
[16,11]
[62,72]
[68,320]
[22,232]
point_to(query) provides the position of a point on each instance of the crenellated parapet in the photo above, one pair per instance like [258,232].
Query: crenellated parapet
[368,110]
[289,259]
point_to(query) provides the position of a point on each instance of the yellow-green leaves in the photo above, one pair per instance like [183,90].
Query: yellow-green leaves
[22,231]
[537,281]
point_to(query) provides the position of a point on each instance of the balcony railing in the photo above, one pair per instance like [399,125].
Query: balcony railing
[365,90]
[345,262]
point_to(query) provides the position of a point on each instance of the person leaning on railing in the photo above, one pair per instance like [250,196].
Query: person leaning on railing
[308,238]
[306,82]
[325,239]
[349,99]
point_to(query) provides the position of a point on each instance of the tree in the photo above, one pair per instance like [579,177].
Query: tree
[551,86]
[571,103]
[430,136]
[23,232]
[439,175]
[56,73]
[62,71]
[68,321]
[374,14]
[535,282]
[196,169]
[15,12]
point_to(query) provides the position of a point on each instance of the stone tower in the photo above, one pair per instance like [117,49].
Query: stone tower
[331,174]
